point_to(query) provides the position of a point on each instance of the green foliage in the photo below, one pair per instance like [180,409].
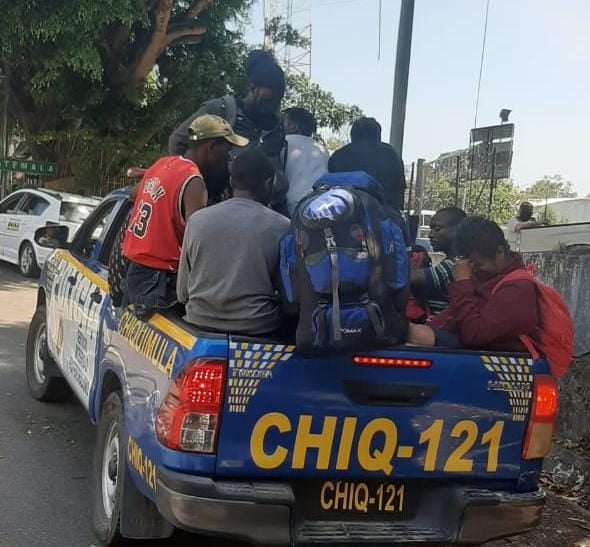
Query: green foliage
[329,113]
[97,86]
[277,31]
[551,217]
[333,143]
[504,201]
[550,187]
[83,84]
[439,193]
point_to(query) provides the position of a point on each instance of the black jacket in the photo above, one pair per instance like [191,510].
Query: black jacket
[378,159]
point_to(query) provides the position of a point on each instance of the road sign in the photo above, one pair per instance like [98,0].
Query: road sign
[40,168]
[491,151]
[492,133]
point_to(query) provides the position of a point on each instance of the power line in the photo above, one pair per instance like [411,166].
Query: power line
[380,27]
[483,50]
[331,3]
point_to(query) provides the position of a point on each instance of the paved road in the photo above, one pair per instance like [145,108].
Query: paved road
[46,450]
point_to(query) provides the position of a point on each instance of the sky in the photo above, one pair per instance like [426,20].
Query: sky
[537,63]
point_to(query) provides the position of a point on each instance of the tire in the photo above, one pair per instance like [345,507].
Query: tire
[108,475]
[27,261]
[40,369]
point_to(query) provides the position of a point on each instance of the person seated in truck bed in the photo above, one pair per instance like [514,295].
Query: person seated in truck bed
[432,282]
[229,265]
[170,191]
[479,317]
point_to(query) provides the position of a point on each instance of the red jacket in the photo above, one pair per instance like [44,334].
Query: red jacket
[483,321]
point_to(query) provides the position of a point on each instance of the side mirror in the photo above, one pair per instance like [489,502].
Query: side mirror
[52,237]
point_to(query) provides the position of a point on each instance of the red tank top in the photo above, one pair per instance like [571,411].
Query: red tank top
[156,226]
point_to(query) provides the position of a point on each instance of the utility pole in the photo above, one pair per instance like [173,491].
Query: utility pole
[457,182]
[402,71]
[4,153]
[419,186]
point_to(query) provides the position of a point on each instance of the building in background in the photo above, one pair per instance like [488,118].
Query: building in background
[563,210]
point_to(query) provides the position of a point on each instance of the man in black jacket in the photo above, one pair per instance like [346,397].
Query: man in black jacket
[255,116]
[367,153]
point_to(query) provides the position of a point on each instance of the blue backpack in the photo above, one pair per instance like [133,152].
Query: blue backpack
[344,261]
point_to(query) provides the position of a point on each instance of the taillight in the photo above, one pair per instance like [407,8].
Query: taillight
[539,435]
[189,416]
[389,362]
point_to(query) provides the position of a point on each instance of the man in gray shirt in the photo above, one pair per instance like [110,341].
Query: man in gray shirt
[229,266]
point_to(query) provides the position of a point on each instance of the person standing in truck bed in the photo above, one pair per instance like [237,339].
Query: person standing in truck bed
[255,115]
[367,153]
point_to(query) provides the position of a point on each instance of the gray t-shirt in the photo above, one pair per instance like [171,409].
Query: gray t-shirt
[229,267]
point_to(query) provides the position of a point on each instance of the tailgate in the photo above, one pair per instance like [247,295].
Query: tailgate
[457,415]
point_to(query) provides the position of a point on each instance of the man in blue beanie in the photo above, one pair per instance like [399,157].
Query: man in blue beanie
[255,116]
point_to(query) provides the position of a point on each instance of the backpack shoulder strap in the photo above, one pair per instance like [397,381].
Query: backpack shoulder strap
[528,343]
[516,275]
[230,109]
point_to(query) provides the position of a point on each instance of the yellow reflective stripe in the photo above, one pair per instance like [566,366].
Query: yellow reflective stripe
[173,331]
[170,329]
[86,272]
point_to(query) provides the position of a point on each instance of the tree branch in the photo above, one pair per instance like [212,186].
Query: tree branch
[165,34]
[198,7]
[177,33]
[156,45]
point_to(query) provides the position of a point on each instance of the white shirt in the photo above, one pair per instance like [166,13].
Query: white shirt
[512,236]
[307,161]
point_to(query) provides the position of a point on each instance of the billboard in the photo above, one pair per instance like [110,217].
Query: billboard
[490,151]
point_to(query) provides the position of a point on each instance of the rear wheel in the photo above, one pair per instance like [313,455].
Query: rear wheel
[108,472]
[41,371]
[27,261]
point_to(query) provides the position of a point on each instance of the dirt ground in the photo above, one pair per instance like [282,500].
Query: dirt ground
[565,524]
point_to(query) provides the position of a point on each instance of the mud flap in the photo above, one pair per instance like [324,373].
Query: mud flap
[140,518]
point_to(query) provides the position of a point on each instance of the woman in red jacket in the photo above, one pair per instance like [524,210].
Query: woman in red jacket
[476,318]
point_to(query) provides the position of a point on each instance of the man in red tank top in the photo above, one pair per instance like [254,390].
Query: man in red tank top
[170,191]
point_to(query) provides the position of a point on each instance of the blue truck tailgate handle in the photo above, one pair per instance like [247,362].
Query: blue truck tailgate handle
[371,394]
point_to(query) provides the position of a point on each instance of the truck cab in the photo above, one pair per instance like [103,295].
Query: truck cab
[243,438]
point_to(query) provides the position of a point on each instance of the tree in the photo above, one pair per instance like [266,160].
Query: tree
[104,78]
[278,31]
[550,187]
[440,192]
[333,143]
[329,113]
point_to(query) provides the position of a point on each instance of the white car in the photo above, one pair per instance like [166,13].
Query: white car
[23,211]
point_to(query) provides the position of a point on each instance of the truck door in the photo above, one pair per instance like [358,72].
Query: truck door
[84,294]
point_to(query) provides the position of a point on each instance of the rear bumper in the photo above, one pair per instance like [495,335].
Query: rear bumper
[265,514]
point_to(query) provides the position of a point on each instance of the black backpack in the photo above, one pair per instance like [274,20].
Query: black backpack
[343,261]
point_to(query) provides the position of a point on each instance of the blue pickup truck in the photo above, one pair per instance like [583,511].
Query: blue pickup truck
[242,438]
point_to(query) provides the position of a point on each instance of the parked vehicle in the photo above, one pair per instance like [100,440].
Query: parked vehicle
[23,211]
[242,438]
